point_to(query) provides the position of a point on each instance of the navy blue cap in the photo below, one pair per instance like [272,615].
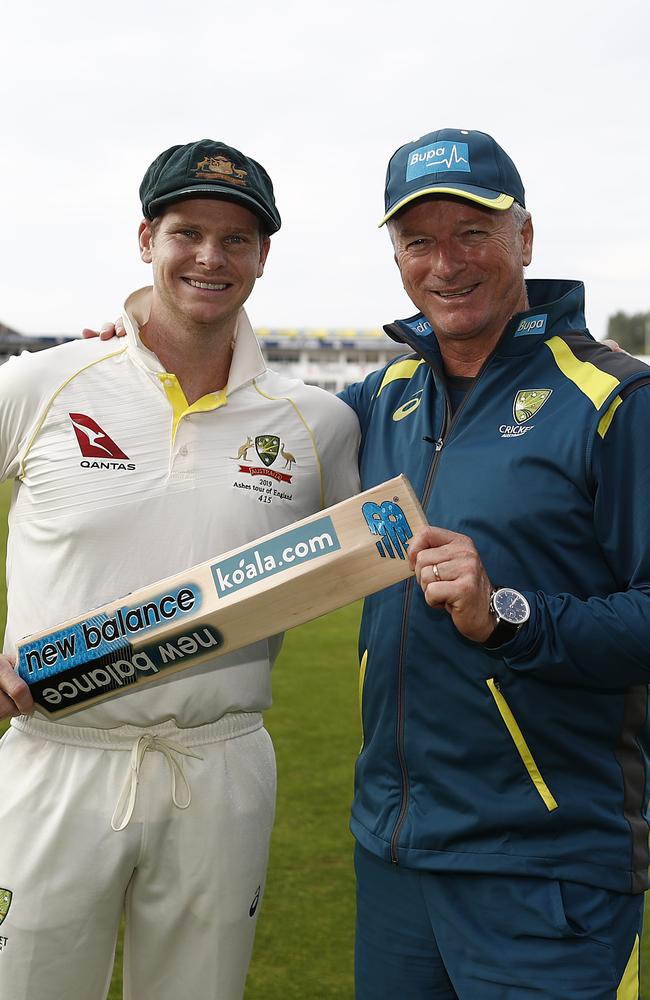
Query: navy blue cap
[209,169]
[452,161]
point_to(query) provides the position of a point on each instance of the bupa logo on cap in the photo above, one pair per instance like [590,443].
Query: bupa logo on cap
[530,325]
[437,157]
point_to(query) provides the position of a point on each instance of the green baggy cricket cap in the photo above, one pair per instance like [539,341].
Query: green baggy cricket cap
[452,161]
[209,169]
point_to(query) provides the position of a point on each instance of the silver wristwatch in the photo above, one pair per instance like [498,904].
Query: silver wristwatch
[510,610]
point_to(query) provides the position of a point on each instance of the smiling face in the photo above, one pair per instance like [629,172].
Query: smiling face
[206,254]
[462,266]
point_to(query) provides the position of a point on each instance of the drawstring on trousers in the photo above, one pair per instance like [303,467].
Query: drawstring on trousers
[126,802]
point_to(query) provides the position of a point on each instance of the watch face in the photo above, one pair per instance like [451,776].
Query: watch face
[511,606]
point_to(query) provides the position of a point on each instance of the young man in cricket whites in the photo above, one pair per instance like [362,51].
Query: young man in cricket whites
[501,793]
[132,461]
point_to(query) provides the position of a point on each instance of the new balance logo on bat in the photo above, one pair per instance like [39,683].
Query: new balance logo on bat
[388,520]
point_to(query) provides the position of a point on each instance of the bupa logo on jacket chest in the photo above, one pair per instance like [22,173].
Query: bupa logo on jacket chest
[526,404]
[98,449]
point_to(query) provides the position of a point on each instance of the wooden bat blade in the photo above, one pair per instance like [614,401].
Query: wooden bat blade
[285,578]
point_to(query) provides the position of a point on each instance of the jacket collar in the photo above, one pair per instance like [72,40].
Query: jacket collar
[247,360]
[554,307]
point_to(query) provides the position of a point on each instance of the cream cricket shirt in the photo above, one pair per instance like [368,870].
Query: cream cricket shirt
[118,483]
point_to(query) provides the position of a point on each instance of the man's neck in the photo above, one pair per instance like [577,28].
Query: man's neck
[464,359]
[199,358]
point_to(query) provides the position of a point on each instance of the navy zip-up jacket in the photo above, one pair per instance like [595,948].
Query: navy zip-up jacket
[528,759]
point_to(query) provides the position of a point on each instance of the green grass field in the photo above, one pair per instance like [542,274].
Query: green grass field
[303,949]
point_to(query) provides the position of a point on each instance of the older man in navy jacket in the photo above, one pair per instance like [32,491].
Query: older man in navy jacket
[502,842]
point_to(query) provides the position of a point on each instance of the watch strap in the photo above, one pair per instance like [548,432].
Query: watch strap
[503,632]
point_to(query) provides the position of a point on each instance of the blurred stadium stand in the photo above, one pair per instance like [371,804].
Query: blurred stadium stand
[329,358]
[12,342]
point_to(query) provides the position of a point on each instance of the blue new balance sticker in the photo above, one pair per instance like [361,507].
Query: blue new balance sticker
[318,538]
[123,667]
[388,520]
[103,635]
[531,325]
[441,156]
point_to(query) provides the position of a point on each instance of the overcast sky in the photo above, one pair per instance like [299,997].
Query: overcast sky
[321,93]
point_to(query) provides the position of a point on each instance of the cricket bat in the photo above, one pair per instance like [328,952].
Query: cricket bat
[282,579]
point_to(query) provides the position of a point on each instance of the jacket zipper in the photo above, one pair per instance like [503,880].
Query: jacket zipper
[447,426]
[401,675]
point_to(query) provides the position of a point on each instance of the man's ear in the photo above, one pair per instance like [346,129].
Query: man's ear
[145,239]
[527,241]
[264,252]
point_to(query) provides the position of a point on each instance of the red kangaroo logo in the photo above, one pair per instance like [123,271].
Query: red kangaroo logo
[93,441]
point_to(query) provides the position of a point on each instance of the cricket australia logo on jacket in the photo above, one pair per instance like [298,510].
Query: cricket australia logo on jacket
[527,403]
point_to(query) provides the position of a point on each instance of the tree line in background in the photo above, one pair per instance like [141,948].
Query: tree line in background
[631,332]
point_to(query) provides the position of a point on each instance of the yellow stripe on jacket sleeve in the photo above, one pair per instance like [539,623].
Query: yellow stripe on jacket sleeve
[362,677]
[597,385]
[401,369]
[603,425]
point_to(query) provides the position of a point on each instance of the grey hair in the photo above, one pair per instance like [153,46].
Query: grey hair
[517,212]
[520,215]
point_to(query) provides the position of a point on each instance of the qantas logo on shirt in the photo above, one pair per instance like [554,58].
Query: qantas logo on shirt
[95,443]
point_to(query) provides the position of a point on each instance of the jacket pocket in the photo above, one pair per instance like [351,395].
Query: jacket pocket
[522,747]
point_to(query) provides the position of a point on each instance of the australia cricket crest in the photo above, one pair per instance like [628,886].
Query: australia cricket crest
[5,902]
[528,402]
[269,457]
[267,447]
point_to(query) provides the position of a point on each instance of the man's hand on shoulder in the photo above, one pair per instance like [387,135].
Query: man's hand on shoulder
[106,332]
[614,346]
[15,696]
[453,578]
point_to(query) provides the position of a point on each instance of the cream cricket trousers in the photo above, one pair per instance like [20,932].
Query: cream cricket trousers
[167,826]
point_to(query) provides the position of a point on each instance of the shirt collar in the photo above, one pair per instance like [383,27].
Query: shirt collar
[247,360]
